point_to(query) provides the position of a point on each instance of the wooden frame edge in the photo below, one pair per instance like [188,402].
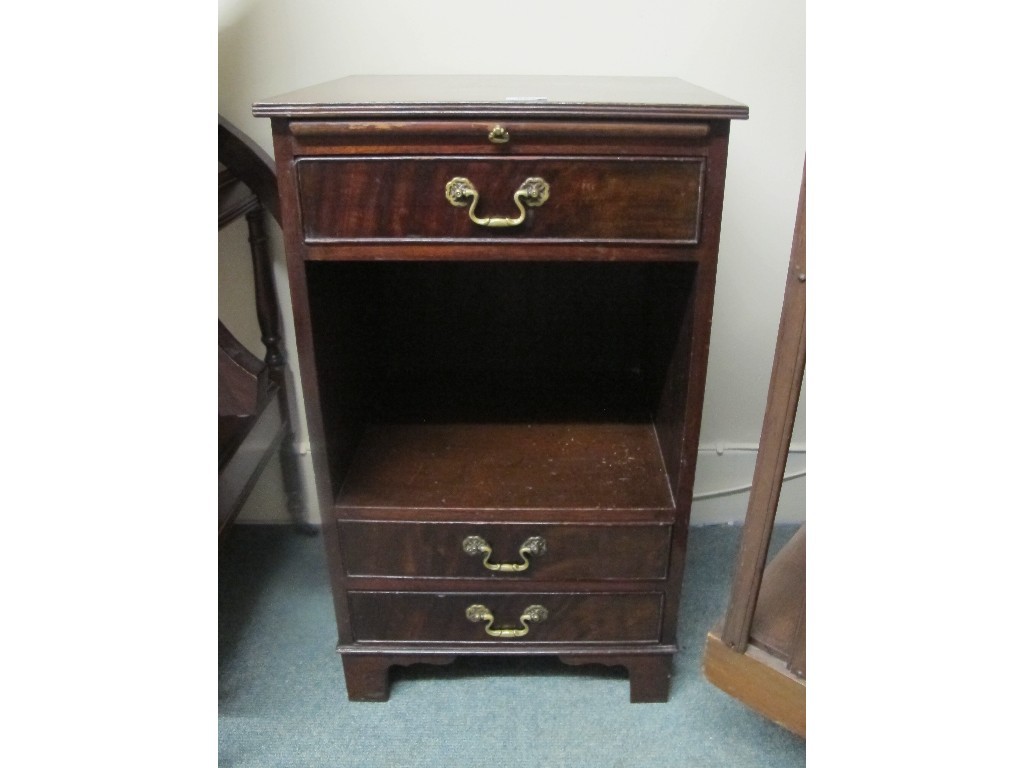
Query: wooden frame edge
[758,680]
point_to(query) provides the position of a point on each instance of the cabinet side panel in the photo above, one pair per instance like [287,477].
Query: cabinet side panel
[305,353]
[680,410]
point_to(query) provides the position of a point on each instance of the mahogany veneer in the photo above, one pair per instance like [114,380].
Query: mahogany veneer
[504,419]
[602,199]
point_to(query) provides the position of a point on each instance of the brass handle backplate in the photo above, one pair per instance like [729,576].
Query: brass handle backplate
[532,192]
[475,545]
[534,613]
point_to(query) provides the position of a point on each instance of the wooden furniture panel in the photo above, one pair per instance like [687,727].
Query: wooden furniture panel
[507,375]
[510,138]
[564,551]
[508,466]
[758,679]
[577,618]
[592,199]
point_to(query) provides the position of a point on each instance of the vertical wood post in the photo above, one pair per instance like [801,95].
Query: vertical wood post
[776,433]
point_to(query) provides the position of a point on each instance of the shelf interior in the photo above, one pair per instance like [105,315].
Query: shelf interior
[502,385]
[575,465]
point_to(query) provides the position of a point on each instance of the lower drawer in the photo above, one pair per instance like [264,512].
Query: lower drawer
[477,550]
[506,617]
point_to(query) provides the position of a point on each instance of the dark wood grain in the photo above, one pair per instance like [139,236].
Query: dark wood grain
[649,674]
[366,677]
[233,197]
[321,441]
[590,617]
[249,164]
[367,668]
[508,466]
[591,199]
[319,138]
[544,97]
[433,550]
[681,405]
[460,378]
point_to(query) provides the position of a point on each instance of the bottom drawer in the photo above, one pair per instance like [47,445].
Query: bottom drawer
[506,617]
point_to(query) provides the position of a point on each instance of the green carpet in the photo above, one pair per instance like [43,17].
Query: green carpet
[282,698]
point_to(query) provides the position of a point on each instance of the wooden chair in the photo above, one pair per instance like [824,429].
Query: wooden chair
[757,654]
[253,414]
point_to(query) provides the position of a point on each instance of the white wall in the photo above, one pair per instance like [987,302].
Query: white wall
[750,51]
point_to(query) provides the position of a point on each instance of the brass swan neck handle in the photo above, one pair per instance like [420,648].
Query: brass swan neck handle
[533,192]
[533,546]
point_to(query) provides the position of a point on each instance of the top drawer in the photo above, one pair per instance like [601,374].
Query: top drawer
[555,199]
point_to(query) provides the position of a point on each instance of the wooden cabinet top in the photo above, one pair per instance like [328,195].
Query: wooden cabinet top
[361,96]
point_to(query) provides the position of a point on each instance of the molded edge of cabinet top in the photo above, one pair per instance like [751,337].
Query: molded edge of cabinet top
[493,95]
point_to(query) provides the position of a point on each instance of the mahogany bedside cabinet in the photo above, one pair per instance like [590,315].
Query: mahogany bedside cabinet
[503,291]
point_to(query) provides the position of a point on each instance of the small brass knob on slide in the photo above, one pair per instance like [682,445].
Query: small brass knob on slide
[498,135]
